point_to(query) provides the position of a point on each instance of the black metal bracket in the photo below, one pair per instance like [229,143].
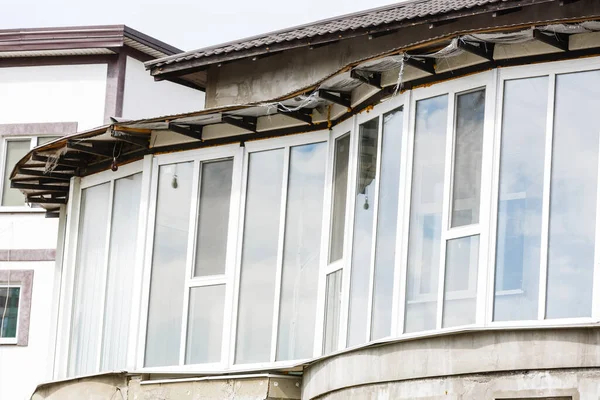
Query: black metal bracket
[193,131]
[45,200]
[303,114]
[371,78]
[95,148]
[131,139]
[483,50]
[61,161]
[45,188]
[556,40]
[427,65]
[341,98]
[247,123]
[45,175]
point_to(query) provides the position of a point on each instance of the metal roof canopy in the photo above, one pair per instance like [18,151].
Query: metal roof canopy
[46,170]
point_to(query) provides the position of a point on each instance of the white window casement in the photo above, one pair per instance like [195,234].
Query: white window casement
[15,306]
[17,141]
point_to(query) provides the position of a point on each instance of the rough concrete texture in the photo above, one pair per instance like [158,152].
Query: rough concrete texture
[578,384]
[122,387]
[450,355]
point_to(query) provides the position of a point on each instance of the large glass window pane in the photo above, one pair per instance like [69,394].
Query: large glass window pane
[520,199]
[213,217]
[9,311]
[121,267]
[467,158]
[89,275]
[573,197]
[363,232]
[333,298]
[46,139]
[301,252]
[385,248]
[168,264]
[15,150]
[205,324]
[340,186]
[460,286]
[426,214]
[259,257]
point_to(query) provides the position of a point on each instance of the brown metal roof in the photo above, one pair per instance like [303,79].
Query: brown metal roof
[399,12]
[45,41]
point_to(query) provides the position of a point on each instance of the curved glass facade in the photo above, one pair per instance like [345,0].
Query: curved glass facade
[464,205]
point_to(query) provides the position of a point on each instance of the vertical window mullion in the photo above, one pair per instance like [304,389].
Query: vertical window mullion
[280,244]
[325,237]
[546,199]
[235,215]
[486,265]
[447,200]
[348,242]
[596,283]
[375,202]
[191,253]
[104,282]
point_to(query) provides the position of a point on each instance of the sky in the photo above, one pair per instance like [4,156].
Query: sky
[186,24]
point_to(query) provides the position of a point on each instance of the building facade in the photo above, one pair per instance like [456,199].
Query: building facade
[53,82]
[396,204]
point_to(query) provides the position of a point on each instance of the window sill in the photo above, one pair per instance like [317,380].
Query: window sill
[9,341]
[511,292]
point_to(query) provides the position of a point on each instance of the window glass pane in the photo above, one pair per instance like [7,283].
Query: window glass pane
[9,311]
[89,268]
[333,298]
[460,286]
[45,139]
[340,186]
[467,158]
[301,252]
[168,264]
[363,232]
[573,188]
[520,199]
[205,324]
[259,257]
[213,217]
[385,248]
[426,214]
[15,150]
[121,267]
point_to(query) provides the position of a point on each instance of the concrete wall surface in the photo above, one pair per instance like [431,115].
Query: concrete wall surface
[560,384]
[455,354]
[120,386]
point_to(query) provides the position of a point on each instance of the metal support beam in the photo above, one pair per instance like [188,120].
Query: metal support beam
[193,131]
[483,50]
[247,123]
[61,161]
[131,139]
[45,188]
[303,114]
[427,65]
[556,40]
[95,149]
[371,78]
[45,175]
[44,200]
[52,214]
[343,99]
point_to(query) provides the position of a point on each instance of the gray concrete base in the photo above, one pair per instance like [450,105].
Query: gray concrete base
[539,385]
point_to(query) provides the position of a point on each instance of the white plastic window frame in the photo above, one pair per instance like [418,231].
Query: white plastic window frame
[13,340]
[68,278]
[285,143]
[485,80]
[551,70]
[32,145]
[234,152]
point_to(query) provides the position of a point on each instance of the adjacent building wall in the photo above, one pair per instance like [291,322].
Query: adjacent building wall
[144,98]
[39,95]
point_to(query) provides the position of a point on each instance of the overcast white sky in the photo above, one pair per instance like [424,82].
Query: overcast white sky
[187,24]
